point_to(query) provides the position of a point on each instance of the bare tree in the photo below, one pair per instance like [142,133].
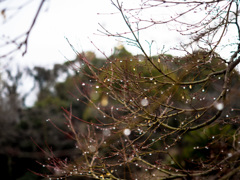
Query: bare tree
[145,110]
[20,41]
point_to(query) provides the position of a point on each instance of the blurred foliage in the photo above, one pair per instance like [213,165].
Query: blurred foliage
[20,123]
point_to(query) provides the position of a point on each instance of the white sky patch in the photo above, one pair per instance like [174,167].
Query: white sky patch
[78,21]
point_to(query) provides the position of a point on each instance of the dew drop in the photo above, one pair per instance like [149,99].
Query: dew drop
[106,132]
[219,106]
[127,132]
[92,148]
[229,154]
[144,102]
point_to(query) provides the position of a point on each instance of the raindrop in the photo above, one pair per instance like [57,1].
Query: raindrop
[144,102]
[106,132]
[127,132]
[219,106]
[229,154]
[92,148]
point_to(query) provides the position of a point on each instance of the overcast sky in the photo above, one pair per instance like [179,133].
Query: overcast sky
[60,19]
[76,20]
